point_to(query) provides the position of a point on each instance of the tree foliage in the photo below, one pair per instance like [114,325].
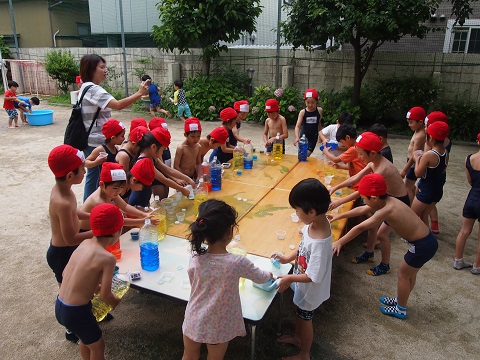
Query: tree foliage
[6,53]
[205,24]
[62,67]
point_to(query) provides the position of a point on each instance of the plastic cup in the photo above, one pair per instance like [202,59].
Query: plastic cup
[239,172]
[134,234]
[294,217]
[300,229]
[117,253]
[181,216]
[103,154]
[328,179]
[167,202]
[338,192]
[178,196]
[281,234]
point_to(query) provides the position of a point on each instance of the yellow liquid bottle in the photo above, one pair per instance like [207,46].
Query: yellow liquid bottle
[278,148]
[101,309]
[238,157]
[201,195]
[161,226]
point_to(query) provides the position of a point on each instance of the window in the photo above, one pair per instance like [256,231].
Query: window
[462,39]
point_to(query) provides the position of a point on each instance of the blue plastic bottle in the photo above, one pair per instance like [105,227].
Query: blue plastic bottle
[216,174]
[149,255]
[303,148]
[248,156]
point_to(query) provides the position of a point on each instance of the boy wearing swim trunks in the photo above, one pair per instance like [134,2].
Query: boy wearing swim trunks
[423,244]
[187,155]
[91,265]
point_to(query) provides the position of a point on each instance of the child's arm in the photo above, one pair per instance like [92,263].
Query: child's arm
[83,215]
[320,111]
[372,222]
[123,159]
[353,179]
[469,178]
[128,209]
[94,159]
[172,173]
[422,161]
[284,134]
[358,211]
[238,137]
[175,98]
[287,280]
[321,138]
[330,156]
[106,294]
[298,127]
[285,259]
[227,149]
[266,140]
[178,158]
[70,234]
[343,200]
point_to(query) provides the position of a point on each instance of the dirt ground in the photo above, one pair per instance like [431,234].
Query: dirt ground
[442,318]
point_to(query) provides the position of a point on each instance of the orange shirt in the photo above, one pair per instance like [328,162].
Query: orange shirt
[355,165]
[8,104]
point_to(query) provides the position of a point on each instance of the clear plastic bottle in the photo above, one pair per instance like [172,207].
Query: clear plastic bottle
[201,195]
[216,174]
[303,148]
[149,256]
[159,213]
[238,152]
[278,148]
[206,175]
[237,247]
[248,156]
[99,308]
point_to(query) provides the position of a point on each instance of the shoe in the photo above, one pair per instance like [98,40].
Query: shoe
[71,337]
[379,270]
[475,271]
[434,227]
[393,311]
[461,264]
[389,301]
[366,256]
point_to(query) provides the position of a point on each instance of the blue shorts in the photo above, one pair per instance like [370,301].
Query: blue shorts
[12,114]
[421,251]
[410,175]
[304,314]
[184,110]
[79,320]
[154,105]
[471,209]
[57,259]
[142,197]
[427,194]
[312,141]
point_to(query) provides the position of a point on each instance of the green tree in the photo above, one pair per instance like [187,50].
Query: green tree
[62,67]
[205,24]
[6,53]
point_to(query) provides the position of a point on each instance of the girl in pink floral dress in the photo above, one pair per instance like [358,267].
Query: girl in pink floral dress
[214,312]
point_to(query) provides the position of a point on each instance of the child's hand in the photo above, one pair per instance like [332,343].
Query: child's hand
[334,165]
[285,281]
[332,190]
[247,141]
[334,205]
[101,158]
[332,218]
[185,191]
[403,173]
[279,257]
[154,221]
[295,142]
[180,181]
[336,246]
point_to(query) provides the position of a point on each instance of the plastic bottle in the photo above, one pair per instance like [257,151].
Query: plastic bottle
[248,156]
[159,213]
[216,174]
[303,148]
[278,148]
[201,195]
[99,308]
[149,256]
[238,152]
[206,175]
[236,246]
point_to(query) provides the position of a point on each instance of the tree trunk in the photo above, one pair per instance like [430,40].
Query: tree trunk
[206,66]
[357,77]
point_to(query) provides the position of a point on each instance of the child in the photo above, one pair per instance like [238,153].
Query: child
[381,131]
[431,166]
[415,118]
[309,122]
[138,122]
[126,155]
[90,266]
[9,100]
[180,99]
[329,133]
[113,181]
[154,123]
[187,156]
[274,124]
[242,108]
[67,164]
[471,212]
[214,314]
[215,139]
[312,272]
[114,132]
[229,120]
[155,98]
[27,107]
[423,244]
[368,147]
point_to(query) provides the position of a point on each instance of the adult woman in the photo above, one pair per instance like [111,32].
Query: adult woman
[93,71]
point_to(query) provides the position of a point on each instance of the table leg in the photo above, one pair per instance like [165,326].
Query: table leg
[280,311]
[253,335]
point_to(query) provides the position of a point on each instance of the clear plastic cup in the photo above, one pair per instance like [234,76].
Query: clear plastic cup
[103,154]
[181,216]
[281,234]
[338,192]
[328,179]
[294,217]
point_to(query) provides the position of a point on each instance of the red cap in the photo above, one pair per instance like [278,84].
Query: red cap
[435,116]
[271,105]
[219,134]
[138,122]
[241,106]
[372,185]
[143,171]
[228,114]
[416,113]
[63,159]
[438,130]
[478,137]
[369,141]
[105,219]
[112,172]
[162,135]
[111,128]
[311,93]
[137,134]
[156,122]
[192,124]
[78,79]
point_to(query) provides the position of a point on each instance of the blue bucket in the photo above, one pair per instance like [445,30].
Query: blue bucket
[40,117]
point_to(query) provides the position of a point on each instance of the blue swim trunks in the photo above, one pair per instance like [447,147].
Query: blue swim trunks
[184,110]
[12,114]
[421,251]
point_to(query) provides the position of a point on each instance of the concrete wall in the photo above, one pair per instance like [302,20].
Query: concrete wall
[458,73]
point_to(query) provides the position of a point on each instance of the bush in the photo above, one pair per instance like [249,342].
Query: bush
[61,66]
[334,103]
[462,118]
[289,100]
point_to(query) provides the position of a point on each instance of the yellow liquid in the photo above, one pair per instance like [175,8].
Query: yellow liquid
[101,309]
[277,151]
[237,251]
[162,226]
[237,160]
[199,198]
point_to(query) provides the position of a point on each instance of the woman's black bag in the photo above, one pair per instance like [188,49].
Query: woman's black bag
[75,134]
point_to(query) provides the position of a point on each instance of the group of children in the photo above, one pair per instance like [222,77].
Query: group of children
[142,167]
[14,104]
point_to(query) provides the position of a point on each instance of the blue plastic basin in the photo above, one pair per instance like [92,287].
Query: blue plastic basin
[40,117]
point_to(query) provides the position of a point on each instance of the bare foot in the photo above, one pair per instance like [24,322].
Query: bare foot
[11,127]
[289,339]
[17,125]
[297,357]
